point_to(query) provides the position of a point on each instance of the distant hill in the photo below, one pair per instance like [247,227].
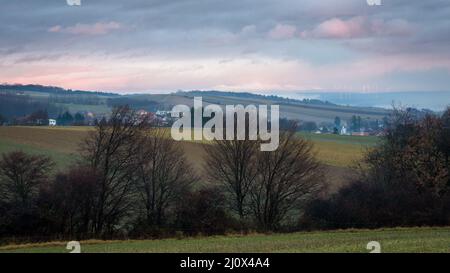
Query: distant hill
[50,90]
[248,95]
[305,110]
[20,100]
[17,100]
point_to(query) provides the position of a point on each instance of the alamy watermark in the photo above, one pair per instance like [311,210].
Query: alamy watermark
[374,2]
[374,246]
[251,122]
[74,246]
[73,2]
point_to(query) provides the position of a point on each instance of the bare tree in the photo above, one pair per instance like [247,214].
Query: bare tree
[231,163]
[162,175]
[112,151]
[21,176]
[286,177]
[70,200]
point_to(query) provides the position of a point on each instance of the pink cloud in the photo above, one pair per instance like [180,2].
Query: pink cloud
[282,31]
[55,29]
[357,27]
[254,73]
[98,28]
[337,28]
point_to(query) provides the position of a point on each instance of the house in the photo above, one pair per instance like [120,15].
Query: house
[343,130]
[52,122]
[161,113]
[142,112]
[145,115]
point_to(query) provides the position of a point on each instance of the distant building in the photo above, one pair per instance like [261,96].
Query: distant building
[343,130]
[144,115]
[162,113]
[52,122]
[142,112]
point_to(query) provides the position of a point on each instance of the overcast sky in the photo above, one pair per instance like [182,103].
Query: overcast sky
[242,45]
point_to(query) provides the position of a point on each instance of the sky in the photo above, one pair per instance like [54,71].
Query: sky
[234,45]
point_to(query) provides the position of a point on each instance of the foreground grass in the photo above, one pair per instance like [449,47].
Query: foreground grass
[391,240]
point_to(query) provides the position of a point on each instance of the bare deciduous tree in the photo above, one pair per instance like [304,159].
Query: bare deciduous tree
[21,175]
[112,151]
[232,163]
[286,177]
[162,175]
[70,201]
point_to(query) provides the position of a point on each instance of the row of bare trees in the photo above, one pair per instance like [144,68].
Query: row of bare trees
[265,186]
[140,171]
[128,170]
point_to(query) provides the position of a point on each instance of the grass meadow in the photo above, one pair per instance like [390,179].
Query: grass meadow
[391,240]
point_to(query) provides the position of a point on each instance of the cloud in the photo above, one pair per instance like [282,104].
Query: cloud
[338,29]
[293,44]
[248,30]
[99,28]
[358,27]
[282,31]
[252,73]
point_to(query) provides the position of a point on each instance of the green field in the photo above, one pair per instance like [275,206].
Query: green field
[337,153]
[391,240]
[62,144]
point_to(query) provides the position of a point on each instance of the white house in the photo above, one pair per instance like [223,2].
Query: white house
[52,122]
[344,130]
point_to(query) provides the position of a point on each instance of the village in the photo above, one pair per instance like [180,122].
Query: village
[356,126]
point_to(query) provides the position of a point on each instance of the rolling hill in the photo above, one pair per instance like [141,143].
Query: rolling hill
[305,110]
[59,100]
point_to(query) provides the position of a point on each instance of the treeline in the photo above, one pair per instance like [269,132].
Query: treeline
[76,99]
[15,106]
[24,110]
[51,90]
[135,103]
[404,181]
[67,119]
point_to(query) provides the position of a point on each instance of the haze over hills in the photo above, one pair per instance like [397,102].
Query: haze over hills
[433,100]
